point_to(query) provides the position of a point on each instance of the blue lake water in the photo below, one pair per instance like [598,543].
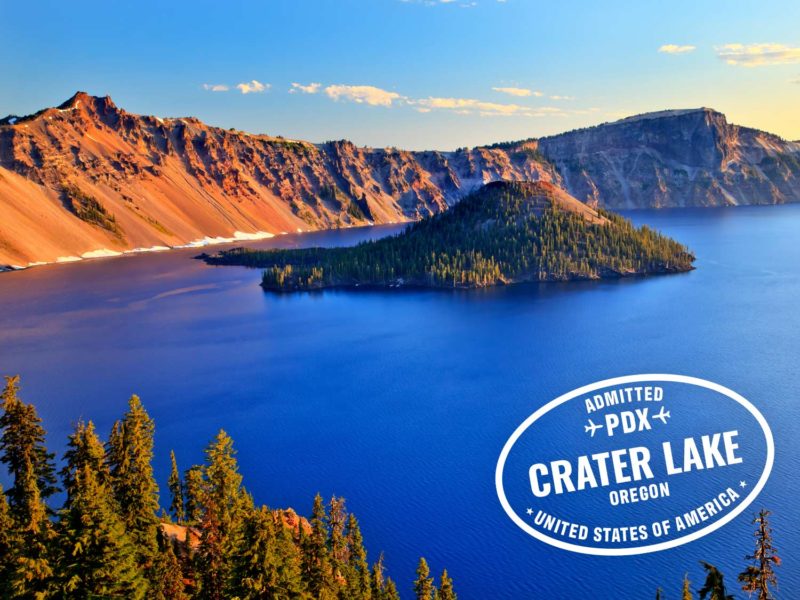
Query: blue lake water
[402,400]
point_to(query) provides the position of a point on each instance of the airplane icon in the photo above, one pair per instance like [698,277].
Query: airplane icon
[662,416]
[591,428]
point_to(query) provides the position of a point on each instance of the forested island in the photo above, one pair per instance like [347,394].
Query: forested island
[504,233]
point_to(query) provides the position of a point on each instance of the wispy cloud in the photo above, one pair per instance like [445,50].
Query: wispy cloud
[517,91]
[252,87]
[562,98]
[758,55]
[469,106]
[215,87]
[311,88]
[677,49]
[362,94]
[796,80]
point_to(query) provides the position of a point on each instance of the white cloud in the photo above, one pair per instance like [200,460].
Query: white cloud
[252,87]
[561,98]
[311,88]
[516,91]
[362,94]
[468,106]
[797,81]
[676,49]
[758,55]
[215,87]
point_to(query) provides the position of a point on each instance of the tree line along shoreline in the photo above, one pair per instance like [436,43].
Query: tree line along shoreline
[504,233]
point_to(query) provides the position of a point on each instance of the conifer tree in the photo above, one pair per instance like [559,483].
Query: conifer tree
[267,564]
[84,449]
[223,501]
[760,576]
[377,578]
[357,574]
[316,559]
[177,505]
[97,559]
[23,451]
[423,585]
[446,591]
[390,590]
[170,584]
[687,590]
[193,493]
[22,445]
[130,455]
[337,542]
[7,546]
[714,587]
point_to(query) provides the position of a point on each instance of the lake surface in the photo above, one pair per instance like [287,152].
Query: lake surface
[402,400]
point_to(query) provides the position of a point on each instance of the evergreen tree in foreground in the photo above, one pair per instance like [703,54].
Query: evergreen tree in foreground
[107,542]
[268,563]
[223,505]
[23,451]
[423,585]
[6,546]
[714,587]
[176,507]
[357,574]
[97,559]
[316,562]
[130,457]
[445,591]
[193,494]
[760,576]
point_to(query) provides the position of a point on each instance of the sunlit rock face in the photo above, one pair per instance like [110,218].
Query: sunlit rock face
[675,158]
[138,181]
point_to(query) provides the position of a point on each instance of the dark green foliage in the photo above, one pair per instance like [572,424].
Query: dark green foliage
[714,587]
[130,456]
[177,505]
[23,451]
[107,542]
[316,561]
[268,564]
[193,489]
[169,573]
[22,448]
[7,546]
[223,504]
[759,577]
[504,233]
[87,208]
[97,558]
[357,574]
[84,449]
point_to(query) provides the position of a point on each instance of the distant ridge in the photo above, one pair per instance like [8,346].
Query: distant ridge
[87,178]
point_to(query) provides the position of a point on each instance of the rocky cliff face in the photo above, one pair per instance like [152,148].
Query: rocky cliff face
[675,158]
[87,178]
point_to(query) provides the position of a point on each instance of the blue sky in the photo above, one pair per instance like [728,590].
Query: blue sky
[414,74]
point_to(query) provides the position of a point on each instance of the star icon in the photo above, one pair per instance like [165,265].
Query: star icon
[529,511]
[742,484]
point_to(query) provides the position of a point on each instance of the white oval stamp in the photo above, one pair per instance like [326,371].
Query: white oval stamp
[634,464]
